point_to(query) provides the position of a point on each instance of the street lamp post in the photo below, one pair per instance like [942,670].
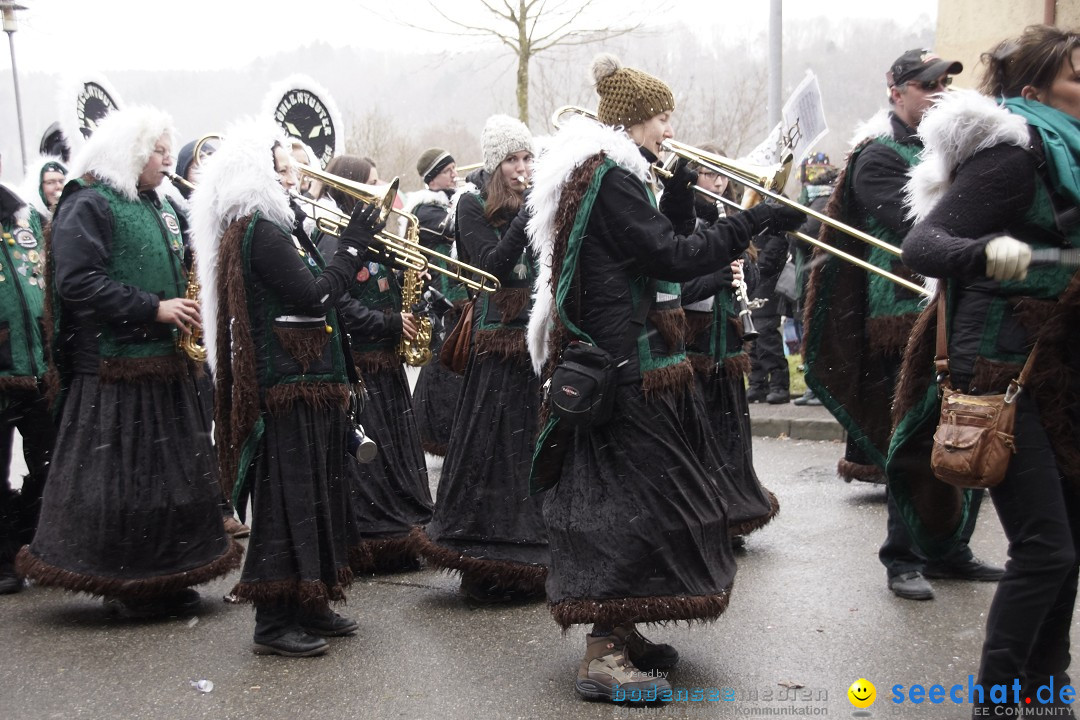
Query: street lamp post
[9,9]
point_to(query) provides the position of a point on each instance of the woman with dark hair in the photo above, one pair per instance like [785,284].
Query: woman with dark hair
[284,384]
[390,494]
[717,352]
[485,525]
[1001,180]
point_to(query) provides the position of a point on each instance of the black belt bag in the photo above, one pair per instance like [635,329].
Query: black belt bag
[582,387]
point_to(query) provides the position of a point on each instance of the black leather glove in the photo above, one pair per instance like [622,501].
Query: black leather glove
[363,225]
[677,202]
[774,218]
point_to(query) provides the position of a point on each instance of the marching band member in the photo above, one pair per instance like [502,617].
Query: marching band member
[638,532]
[437,388]
[23,405]
[391,495]
[485,525]
[284,376]
[717,352]
[131,515]
[1001,178]
[853,357]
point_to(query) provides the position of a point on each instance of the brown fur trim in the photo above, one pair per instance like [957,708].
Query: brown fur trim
[163,368]
[51,381]
[888,335]
[434,448]
[516,577]
[18,384]
[671,324]
[383,554]
[42,573]
[698,325]
[857,471]
[504,343]
[677,376]
[703,364]
[624,611]
[917,368]
[737,365]
[280,398]
[236,393]
[307,594]
[305,345]
[511,302]
[376,361]
[748,526]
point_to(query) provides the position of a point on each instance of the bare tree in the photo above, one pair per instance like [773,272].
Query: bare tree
[528,28]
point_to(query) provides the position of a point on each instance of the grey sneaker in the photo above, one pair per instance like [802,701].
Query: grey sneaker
[911,586]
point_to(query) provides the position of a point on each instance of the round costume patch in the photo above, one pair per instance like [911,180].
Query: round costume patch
[170,222]
[25,238]
[362,275]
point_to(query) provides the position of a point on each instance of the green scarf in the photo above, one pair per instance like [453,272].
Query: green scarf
[1060,134]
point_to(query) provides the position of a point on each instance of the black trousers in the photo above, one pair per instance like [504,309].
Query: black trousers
[1027,628]
[27,411]
[768,366]
[900,555]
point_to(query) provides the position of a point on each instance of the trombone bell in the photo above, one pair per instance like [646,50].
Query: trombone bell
[382,196]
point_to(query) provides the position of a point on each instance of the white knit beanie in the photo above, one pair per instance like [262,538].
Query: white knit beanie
[502,136]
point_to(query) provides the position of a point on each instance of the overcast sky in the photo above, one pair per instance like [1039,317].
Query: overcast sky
[101,35]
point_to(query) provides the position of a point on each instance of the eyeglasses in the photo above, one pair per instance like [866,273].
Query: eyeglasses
[162,152]
[929,85]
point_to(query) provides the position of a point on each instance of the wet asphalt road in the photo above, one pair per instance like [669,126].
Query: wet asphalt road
[810,608]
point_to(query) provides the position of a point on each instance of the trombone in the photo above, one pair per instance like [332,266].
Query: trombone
[766,181]
[406,249]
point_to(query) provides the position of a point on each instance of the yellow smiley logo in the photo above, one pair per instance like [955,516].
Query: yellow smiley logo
[862,693]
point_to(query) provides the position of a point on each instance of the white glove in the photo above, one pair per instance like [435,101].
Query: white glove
[1007,259]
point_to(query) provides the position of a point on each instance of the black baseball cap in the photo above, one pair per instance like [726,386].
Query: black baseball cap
[920,65]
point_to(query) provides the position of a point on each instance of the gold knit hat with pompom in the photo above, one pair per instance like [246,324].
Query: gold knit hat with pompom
[628,96]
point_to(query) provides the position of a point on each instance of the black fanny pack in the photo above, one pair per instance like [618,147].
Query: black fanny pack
[582,387]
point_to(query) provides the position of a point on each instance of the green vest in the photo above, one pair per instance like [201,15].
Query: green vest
[487,315]
[451,289]
[22,300]
[146,251]
[295,349]
[1045,282]
[716,343]
[884,297]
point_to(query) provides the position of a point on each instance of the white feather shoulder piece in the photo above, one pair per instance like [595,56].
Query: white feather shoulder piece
[234,182]
[577,141]
[961,124]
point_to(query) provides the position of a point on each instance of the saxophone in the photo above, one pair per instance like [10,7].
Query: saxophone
[191,343]
[415,352]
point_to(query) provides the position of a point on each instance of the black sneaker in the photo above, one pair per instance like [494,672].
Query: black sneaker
[754,395]
[778,397]
[911,586]
[294,643]
[328,624]
[181,603]
[10,583]
[972,569]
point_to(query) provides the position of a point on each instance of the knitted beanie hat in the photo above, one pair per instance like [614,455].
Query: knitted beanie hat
[432,162]
[503,135]
[628,96]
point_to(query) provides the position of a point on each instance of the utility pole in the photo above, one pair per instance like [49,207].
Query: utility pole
[775,60]
[9,8]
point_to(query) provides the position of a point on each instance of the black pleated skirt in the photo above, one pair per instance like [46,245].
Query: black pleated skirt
[485,522]
[132,507]
[390,495]
[638,529]
[435,399]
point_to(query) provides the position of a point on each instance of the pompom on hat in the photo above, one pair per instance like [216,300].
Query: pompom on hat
[502,136]
[628,96]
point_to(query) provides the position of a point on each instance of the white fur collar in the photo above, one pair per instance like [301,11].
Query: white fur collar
[961,124]
[120,147]
[577,141]
[879,125]
[427,197]
[233,183]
